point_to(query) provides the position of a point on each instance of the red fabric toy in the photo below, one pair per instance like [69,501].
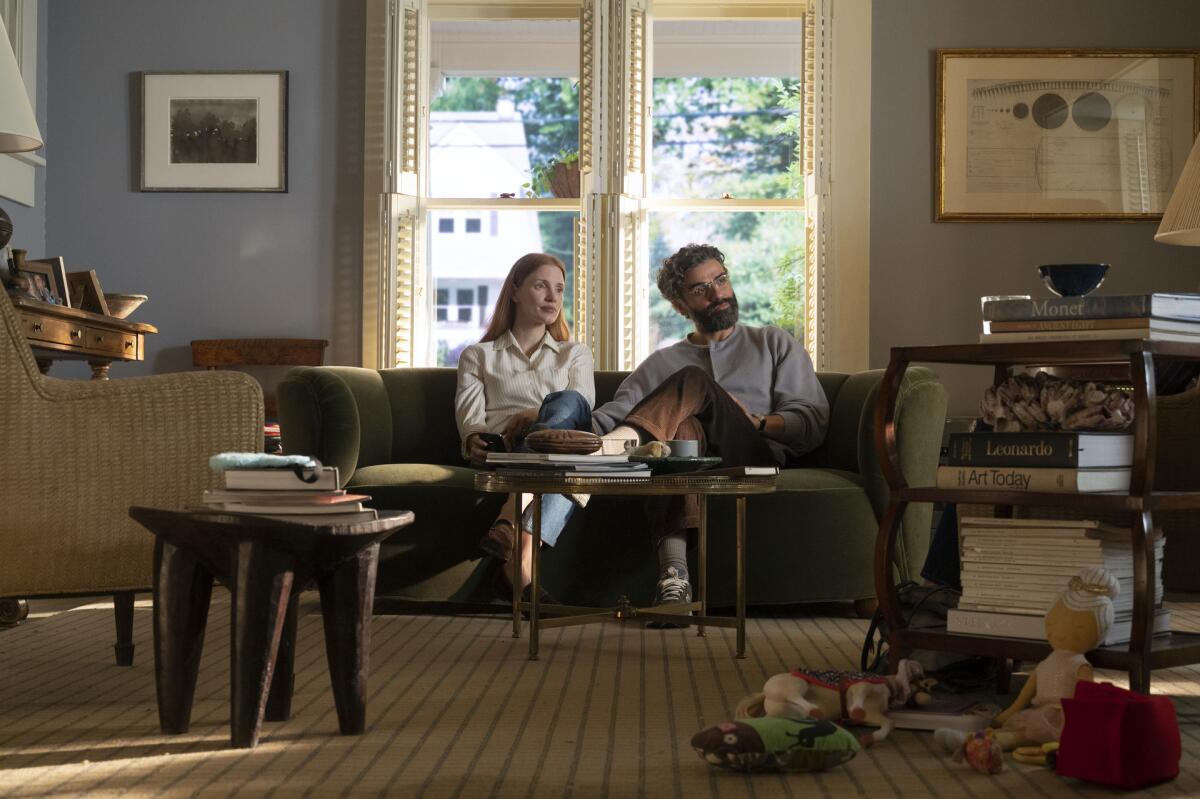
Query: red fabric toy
[1116,737]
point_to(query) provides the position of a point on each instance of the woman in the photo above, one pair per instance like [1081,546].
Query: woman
[524,375]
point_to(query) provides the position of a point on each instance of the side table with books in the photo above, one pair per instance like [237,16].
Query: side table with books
[1144,651]
[266,543]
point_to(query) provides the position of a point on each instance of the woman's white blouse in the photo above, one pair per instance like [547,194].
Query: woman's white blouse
[497,379]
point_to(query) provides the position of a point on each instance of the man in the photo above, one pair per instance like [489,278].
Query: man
[748,394]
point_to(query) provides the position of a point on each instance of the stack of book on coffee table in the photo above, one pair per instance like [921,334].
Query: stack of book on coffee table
[1014,569]
[285,488]
[553,464]
[1159,317]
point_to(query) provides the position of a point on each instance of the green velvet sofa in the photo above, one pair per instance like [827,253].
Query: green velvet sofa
[391,434]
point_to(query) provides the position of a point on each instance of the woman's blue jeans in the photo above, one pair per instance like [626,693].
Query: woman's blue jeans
[562,410]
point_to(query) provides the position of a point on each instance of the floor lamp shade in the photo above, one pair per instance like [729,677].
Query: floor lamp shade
[18,128]
[1181,221]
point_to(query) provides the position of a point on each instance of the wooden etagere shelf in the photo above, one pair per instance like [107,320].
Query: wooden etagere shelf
[1144,653]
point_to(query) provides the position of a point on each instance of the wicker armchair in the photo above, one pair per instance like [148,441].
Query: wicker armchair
[74,455]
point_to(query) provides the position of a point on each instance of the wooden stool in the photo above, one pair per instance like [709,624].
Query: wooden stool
[265,563]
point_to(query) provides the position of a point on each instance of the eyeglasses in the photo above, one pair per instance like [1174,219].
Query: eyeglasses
[701,289]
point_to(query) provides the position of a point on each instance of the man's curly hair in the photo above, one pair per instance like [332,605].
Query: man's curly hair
[670,274]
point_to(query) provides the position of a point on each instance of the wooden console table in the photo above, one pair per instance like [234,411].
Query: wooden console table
[56,332]
[1144,652]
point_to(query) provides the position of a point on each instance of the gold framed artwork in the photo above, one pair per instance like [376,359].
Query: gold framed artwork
[1062,134]
[85,292]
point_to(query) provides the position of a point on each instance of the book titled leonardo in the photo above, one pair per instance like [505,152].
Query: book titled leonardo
[1165,306]
[1033,479]
[1053,449]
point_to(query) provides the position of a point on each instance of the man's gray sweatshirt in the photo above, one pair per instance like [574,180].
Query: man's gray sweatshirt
[765,368]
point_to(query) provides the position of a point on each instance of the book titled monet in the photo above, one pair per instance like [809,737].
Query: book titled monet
[1003,478]
[1052,448]
[1165,306]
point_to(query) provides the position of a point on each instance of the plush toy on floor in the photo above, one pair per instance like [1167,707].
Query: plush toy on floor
[854,697]
[1076,622]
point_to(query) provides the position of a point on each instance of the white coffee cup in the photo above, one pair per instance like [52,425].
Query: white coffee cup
[684,448]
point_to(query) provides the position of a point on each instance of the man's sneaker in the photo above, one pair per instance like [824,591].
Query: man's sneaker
[673,588]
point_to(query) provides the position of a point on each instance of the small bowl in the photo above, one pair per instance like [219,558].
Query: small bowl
[1072,280]
[122,305]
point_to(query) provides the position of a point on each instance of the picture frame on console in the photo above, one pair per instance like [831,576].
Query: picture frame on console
[1062,134]
[46,280]
[214,131]
[86,294]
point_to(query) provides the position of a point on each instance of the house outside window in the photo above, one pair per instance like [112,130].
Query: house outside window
[718,149]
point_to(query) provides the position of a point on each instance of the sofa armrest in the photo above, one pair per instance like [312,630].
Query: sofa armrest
[341,415]
[920,421]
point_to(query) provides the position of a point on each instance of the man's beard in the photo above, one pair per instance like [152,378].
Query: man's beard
[710,321]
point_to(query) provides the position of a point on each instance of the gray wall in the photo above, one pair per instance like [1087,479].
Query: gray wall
[215,265]
[29,224]
[927,277]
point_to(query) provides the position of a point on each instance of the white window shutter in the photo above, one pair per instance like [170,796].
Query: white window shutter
[818,37]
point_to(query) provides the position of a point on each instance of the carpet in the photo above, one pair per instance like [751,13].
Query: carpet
[456,710]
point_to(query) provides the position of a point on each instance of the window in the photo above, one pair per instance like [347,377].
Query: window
[443,299]
[610,170]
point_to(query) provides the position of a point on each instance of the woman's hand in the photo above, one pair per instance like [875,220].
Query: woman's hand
[517,425]
[476,450]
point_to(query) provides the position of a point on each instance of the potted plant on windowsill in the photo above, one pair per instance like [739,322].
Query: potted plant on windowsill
[559,176]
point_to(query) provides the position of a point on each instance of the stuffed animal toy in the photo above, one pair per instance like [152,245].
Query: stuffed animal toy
[981,751]
[1076,622]
[775,745]
[853,697]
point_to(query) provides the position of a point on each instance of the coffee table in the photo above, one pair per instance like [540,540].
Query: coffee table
[265,563]
[696,483]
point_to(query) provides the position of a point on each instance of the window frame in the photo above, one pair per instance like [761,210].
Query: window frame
[611,252]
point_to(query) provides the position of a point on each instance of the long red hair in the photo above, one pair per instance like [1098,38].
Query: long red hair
[505,312]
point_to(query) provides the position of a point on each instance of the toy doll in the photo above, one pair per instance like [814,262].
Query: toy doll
[1076,623]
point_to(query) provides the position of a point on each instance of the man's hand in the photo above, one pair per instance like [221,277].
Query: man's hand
[517,425]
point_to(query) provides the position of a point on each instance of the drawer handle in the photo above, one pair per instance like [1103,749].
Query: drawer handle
[128,345]
[37,327]
[99,338]
[76,334]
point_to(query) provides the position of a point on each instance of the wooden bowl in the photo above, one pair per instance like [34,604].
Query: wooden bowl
[122,305]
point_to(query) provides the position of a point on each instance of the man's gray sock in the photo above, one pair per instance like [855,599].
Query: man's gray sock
[672,551]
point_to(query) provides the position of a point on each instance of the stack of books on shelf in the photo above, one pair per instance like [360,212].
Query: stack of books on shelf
[1159,317]
[1014,569]
[552,464]
[286,493]
[1059,461]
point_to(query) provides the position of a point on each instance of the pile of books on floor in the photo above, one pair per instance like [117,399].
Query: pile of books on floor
[288,492]
[1014,569]
[1161,317]
[552,464]
[1052,460]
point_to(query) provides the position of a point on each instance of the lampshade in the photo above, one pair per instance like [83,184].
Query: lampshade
[18,128]
[1181,221]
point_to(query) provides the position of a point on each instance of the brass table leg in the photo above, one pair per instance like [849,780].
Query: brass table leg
[533,577]
[516,559]
[741,577]
[702,563]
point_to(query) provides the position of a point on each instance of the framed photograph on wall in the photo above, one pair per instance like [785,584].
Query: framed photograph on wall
[1062,134]
[214,131]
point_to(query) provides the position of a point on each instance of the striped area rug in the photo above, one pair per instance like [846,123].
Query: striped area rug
[456,710]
